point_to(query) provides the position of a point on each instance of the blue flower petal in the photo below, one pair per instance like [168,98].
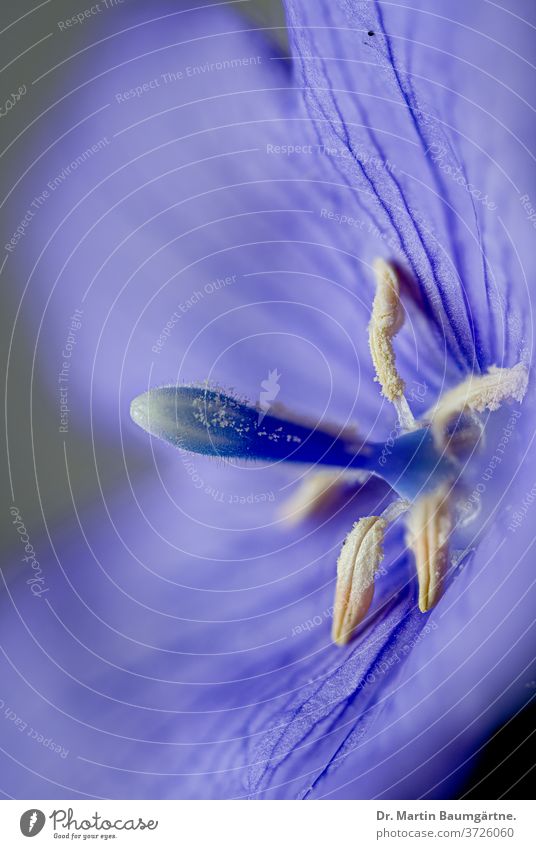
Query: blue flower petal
[117,660]
[194,241]
[425,130]
[191,249]
[318,728]
[149,637]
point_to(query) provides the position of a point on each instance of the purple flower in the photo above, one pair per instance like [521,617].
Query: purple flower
[213,212]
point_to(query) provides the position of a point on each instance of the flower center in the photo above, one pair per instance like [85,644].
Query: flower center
[423,464]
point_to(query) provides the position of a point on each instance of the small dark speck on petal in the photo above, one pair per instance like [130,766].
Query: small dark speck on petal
[370,32]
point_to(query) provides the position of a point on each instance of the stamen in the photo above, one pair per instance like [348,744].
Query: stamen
[429,526]
[476,394]
[405,416]
[317,494]
[360,556]
[387,319]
